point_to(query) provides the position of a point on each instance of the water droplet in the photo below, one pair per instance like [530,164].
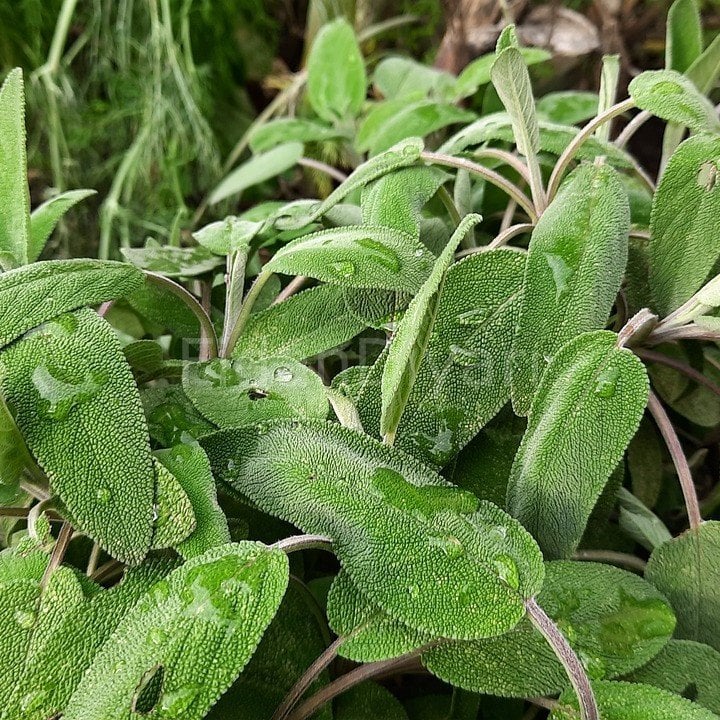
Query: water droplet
[60,393]
[25,619]
[175,704]
[449,544]
[343,269]
[465,596]
[156,513]
[594,666]
[418,253]
[414,591]
[221,373]
[103,495]
[410,150]
[463,356]
[156,636]
[381,253]
[561,271]
[33,700]
[283,374]
[507,570]
[606,383]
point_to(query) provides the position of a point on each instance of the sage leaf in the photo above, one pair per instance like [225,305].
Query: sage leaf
[283,130]
[586,410]
[336,72]
[14,192]
[227,236]
[360,257]
[71,388]
[396,77]
[685,570]
[683,42]
[238,392]
[576,261]
[367,702]
[197,628]
[171,417]
[173,261]
[567,107]
[685,223]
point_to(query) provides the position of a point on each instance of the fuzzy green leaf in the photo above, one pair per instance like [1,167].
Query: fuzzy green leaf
[31,295]
[45,217]
[683,43]
[368,701]
[685,222]
[174,517]
[576,261]
[673,97]
[14,192]
[336,72]
[705,70]
[201,625]
[413,335]
[614,620]
[79,410]
[173,261]
[568,107]
[585,413]
[686,571]
[14,454]
[283,130]
[238,392]
[360,257]
[171,417]
[397,76]
[227,236]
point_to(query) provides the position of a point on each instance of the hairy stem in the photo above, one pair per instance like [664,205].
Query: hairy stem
[58,553]
[245,311]
[566,655]
[290,289]
[508,158]
[296,543]
[680,366]
[235,282]
[613,558]
[322,167]
[679,460]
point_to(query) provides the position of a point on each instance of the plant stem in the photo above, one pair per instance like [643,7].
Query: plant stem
[680,366]
[290,289]
[22,513]
[639,324]
[235,282]
[58,553]
[307,679]
[508,158]
[296,543]
[566,655]
[613,558]
[322,167]
[208,338]
[679,460]
[490,175]
[245,310]
[631,128]
[93,560]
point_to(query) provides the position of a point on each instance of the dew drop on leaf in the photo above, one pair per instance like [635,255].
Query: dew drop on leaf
[413,591]
[61,394]
[25,619]
[607,382]
[665,87]
[381,253]
[175,704]
[344,269]
[561,272]
[507,570]
[283,374]
[463,356]
[103,495]
[450,545]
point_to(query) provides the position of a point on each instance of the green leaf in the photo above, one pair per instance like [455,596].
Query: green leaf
[645,458]
[171,417]
[368,701]
[412,336]
[585,413]
[568,107]
[449,564]
[392,120]
[14,192]
[173,261]
[576,261]
[227,236]
[627,701]
[256,170]
[683,42]
[407,152]
[283,130]
[190,466]
[238,392]
[79,411]
[14,454]
[640,523]
[705,69]
[45,217]
[161,310]
[39,292]
[174,519]
[673,97]
[685,222]
[336,72]
[685,570]
[360,257]
[396,77]
[198,628]
[687,668]
[614,620]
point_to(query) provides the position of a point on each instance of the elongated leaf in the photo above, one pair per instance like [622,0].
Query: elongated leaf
[171,417]
[413,335]
[685,667]
[173,261]
[427,555]
[80,413]
[360,257]
[686,571]
[640,523]
[231,393]
[174,519]
[31,295]
[405,153]
[568,107]
[14,454]
[227,236]
[705,70]
[256,170]
[283,130]
[614,620]
[198,627]
[585,412]
[627,701]
[685,222]
[673,97]
[683,43]
[397,76]
[45,217]
[336,72]
[14,193]
[576,261]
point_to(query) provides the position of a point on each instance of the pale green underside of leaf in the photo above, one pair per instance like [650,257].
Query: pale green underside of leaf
[78,408]
[585,413]
[283,130]
[396,76]
[684,42]
[576,261]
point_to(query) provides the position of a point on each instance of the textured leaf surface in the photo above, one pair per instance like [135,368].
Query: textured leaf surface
[576,261]
[684,43]
[396,76]
[360,257]
[687,668]
[368,702]
[336,72]
[14,193]
[31,295]
[568,107]
[686,571]
[80,413]
[173,261]
[673,97]
[171,417]
[227,236]
[173,513]
[431,556]
[685,222]
[200,625]
[627,701]
[238,392]
[283,130]
[45,217]
[614,620]
[585,412]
